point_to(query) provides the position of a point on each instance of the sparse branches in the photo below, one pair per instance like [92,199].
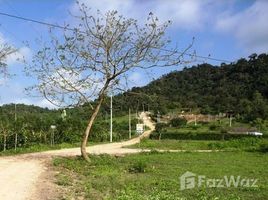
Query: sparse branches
[5,51]
[83,64]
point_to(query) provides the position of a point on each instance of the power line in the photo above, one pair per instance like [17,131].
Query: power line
[73,29]
[39,22]
[203,57]
[18,13]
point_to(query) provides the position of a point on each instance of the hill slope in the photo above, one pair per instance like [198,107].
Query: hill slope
[240,87]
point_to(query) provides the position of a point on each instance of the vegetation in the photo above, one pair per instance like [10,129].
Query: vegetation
[264,147]
[5,51]
[245,144]
[214,130]
[239,88]
[96,56]
[178,122]
[38,148]
[32,126]
[109,177]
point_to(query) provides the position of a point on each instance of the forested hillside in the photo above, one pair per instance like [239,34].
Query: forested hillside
[28,125]
[240,88]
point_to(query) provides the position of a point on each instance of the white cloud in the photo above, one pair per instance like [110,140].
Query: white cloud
[37,102]
[44,103]
[14,92]
[244,21]
[22,54]
[2,40]
[185,14]
[248,26]
[135,77]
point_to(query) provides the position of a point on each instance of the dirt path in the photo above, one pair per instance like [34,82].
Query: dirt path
[26,177]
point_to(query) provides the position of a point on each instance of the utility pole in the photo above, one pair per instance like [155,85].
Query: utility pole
[16,134]
[230,121]
[52,138]
[111,120]
[129,122]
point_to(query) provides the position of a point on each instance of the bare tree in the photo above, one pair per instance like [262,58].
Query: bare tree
[5,51]
[84,63]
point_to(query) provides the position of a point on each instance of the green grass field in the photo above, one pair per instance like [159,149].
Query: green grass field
[250,144]
[155,176]
[172,144]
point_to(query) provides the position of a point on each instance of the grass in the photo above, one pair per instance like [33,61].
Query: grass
[207,127]
[156,176]
[249,144]
[124,118]
[172,144]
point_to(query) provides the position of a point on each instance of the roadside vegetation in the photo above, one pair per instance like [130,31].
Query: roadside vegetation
[153,176]
[31,130]
[244,144]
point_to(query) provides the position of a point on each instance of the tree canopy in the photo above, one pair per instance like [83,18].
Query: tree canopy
[240,88]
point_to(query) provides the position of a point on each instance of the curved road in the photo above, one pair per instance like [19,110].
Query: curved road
[26,177]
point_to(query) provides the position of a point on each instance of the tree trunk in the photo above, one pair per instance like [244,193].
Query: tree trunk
[89,126]
[16,141]
[5,142]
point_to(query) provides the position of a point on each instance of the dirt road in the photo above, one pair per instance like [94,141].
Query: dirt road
[26,177]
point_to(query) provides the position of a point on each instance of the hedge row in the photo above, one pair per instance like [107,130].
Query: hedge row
[199,136]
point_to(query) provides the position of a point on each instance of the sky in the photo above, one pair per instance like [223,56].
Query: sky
[223,29]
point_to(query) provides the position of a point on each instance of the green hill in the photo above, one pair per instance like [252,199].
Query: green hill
[241,88]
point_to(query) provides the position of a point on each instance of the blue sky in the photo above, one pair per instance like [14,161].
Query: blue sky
[224,29]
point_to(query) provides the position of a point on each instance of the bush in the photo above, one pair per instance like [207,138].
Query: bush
[159,127]
[213,127]
[200,136]
[178,122]
[194,127]
[264,147]
[215,145]
[248,143]
[138,167]
[223,130]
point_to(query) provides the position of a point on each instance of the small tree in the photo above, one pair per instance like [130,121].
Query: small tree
[5,133]
[97,55]
[178,122]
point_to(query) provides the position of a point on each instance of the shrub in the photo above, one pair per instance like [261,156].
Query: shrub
[194,127]
[264,147]
[200,136]
[248,143]
[159,127]
[215,145]
[178,122]
[138,167]
[213,127]
[223,130]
